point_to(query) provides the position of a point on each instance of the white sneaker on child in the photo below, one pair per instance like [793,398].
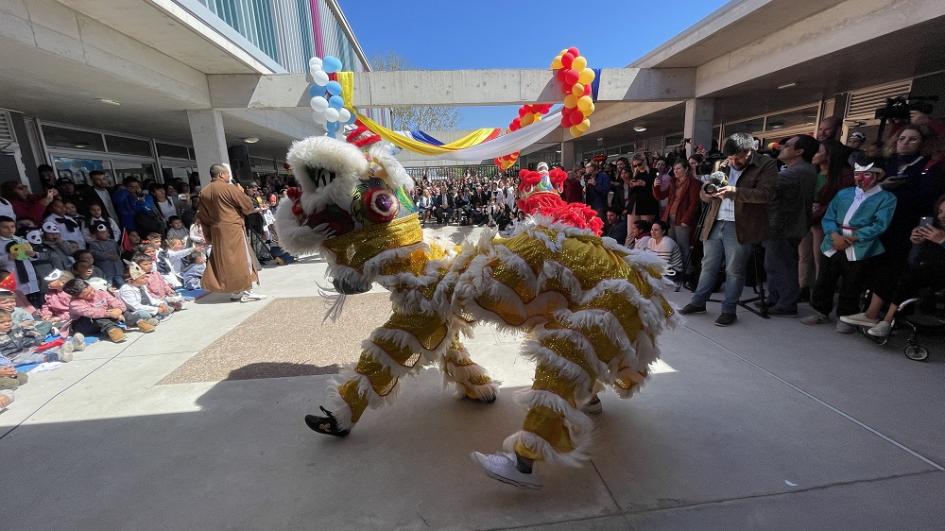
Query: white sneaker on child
[65,352]
[78,341]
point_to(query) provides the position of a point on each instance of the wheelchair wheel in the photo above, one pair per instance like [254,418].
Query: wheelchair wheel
[916,352]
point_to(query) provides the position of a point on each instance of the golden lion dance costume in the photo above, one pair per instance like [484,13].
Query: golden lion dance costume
[592,308]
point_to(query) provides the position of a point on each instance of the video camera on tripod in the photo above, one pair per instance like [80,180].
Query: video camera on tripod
[897,109]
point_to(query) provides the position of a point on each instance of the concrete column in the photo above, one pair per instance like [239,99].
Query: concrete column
[698,123]
[206,130]
[567,155]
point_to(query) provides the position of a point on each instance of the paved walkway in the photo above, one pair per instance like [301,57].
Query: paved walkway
[768,424]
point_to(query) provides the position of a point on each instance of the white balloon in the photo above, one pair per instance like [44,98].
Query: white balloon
[344,115]
[315,64]
[319,117]
[320,78]
[331,115]
[318,103]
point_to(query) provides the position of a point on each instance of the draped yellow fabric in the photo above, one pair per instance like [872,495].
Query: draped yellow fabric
[346,80]
[472,139]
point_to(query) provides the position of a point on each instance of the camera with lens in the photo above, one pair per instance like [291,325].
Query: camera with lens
[716,181]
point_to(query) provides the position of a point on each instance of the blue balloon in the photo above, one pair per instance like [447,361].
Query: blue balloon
[336,102]
[315,90]
[331,64]
[331,128]
[333,88]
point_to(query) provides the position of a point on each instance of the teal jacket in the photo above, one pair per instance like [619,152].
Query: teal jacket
[869,222]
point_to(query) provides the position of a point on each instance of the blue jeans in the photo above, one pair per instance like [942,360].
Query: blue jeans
[722,244]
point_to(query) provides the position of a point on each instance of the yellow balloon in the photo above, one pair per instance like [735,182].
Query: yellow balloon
[580,63]
[586,76]
[577,90]
[562,52]
[556,63]
[574,131]
[537,117]
[584,126]
[584,103]
[527,119]
[590,110]
[570,101]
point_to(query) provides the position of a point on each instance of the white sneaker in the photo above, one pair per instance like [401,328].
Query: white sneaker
[248,296]
[78,341]
[501,467]
[859,319]
[844,328]
[65,352]
[881,329]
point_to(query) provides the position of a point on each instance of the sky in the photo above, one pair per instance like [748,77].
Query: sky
[453,35]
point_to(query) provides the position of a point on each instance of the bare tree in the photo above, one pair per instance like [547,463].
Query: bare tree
[423,117]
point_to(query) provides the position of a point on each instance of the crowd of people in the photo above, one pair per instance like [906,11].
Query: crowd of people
[822,220]
[100,260]
[815,216]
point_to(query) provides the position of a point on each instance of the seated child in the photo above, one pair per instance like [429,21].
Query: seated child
[177,230]
[129,244]
[18,345]
[134,293]
[83,255]
[156,282]
[56,307]
[95,311]
[21,317]
[194,267]
[171,259]
[10,380]
[19,253]
[106,254]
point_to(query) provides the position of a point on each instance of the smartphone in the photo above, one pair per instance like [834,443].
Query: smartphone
[925,221]
[182,197]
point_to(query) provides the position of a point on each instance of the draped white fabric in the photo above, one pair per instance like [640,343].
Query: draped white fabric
[503,145]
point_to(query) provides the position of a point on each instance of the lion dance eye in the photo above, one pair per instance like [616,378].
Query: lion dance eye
[381,205]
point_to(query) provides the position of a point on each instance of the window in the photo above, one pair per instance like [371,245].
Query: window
[791,119]
[748,126]
[170,150]
[128,146]
[72,138]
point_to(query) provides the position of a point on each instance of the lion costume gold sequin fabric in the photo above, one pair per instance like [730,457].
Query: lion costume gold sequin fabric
[592,309]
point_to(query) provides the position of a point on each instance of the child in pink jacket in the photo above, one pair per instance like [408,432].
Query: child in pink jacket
[96,311]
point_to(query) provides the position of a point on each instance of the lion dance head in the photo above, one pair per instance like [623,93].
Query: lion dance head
[350,206]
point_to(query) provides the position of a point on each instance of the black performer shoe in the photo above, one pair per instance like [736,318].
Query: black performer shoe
[327,424]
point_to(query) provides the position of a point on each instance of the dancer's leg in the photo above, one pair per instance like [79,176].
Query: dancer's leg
[471,380]
[395,349]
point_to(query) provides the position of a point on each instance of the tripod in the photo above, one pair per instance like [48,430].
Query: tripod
[757,259]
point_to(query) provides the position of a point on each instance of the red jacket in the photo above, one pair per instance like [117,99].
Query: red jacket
[32,210]
[688,209]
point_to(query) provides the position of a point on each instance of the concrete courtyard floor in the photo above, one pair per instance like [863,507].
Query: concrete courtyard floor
[765,425]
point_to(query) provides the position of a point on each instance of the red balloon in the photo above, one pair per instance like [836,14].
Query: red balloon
[576,117]
[517,123]
[570,77]
[522,111]
[561,74]
[587,90]
[574,52]
[566,60]
[565,121]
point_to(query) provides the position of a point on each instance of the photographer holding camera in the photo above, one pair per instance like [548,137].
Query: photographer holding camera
[737,217]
